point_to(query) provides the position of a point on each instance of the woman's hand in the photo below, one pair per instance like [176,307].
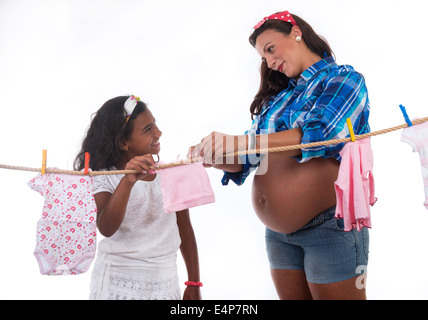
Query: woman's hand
[143,165]
[213,147]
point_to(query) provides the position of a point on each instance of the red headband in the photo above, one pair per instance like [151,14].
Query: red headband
[284,16]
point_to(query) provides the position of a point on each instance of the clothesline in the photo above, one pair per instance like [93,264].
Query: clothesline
[237,153]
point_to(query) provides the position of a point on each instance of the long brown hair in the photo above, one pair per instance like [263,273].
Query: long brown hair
[272,82]
[108,129]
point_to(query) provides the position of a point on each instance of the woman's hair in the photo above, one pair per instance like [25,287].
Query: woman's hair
[272,82]
[108,129]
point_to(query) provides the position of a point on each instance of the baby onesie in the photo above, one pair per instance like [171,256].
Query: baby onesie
[66,231]
[355,185]
[417,137]
[185,187]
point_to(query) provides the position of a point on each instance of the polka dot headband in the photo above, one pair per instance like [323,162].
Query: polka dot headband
[284,16]
[130,105]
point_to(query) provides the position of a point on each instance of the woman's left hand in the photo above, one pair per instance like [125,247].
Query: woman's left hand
[212,148]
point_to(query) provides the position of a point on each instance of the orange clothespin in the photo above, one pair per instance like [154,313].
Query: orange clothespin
[351,130]
[87,158]
[44,159]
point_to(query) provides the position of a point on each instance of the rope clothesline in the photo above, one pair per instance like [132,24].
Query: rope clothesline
[237,153]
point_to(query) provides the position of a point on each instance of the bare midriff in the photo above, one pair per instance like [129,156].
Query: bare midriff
[290,194]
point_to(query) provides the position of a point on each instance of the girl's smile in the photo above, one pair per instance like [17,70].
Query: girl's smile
[144,137]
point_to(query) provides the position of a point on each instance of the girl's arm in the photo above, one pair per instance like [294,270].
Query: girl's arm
[111,208]
[213,147]
[189,252]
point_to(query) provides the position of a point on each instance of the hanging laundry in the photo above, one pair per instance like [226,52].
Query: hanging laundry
[417,137]
[355,185]
[185,186]
[66,231]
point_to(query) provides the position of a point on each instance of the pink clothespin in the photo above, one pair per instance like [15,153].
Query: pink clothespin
[87,159]
[44,160]
[351,130]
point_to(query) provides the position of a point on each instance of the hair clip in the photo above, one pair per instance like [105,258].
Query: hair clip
[351,130]
[130,105]
[406,117]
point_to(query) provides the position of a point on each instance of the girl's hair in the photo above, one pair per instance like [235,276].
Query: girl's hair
[272,82]
[108,129]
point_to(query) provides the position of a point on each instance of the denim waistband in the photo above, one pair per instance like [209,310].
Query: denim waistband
[319,219]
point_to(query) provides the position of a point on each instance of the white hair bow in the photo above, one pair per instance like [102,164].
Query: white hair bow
[130,105]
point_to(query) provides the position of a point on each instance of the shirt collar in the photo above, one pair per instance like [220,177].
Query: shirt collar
[317,67]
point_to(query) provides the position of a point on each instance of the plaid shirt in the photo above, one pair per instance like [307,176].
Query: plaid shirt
[319,103]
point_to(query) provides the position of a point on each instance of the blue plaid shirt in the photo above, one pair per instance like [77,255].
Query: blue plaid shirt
[319,103]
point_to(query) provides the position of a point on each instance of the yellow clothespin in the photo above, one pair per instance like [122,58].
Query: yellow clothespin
[351,130]
[44,159]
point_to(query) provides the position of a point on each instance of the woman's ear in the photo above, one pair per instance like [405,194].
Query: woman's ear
[296,32]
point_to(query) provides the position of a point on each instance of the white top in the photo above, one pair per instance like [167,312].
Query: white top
[139,261]
[147,231]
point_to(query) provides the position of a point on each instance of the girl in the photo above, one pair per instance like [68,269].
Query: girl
[304,97]
[137,257]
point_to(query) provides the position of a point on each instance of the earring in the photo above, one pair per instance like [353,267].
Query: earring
[298,38]
[158,158]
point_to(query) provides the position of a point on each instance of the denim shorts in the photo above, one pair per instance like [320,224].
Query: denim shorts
[321,248]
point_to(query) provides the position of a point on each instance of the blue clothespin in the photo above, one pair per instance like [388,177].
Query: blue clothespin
[406,117]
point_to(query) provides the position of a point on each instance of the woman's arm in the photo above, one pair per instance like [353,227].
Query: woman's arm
[189,252]
[214,147]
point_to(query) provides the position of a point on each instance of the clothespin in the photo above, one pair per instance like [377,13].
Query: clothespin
[351,130]
[44,157]
[406,117]
[87,159]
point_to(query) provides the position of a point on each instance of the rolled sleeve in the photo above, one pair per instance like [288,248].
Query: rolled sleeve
[250,163]
[345,96]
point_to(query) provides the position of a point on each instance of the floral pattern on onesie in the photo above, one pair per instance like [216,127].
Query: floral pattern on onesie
[66,231]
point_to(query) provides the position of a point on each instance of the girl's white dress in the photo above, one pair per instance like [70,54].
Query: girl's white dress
[140,260]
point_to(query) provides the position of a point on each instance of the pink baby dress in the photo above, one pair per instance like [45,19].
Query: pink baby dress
[185,186]
[355,185]
[66,231]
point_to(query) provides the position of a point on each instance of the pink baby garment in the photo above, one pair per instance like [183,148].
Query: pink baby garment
[355,185]
[185,186]
[417,137]
[66,231]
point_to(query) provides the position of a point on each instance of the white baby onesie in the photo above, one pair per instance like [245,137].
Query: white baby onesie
[417,137]
[66,231]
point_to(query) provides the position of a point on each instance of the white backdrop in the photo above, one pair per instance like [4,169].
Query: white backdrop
[190,60]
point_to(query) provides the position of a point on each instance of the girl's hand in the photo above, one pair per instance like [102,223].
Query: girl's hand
[141,164]
[192,293]
[213,147]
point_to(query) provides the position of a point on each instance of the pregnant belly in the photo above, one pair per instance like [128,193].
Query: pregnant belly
[290,194]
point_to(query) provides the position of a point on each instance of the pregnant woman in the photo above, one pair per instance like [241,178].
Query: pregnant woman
[304,97]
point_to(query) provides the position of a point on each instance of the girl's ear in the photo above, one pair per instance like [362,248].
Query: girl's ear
[123,146]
